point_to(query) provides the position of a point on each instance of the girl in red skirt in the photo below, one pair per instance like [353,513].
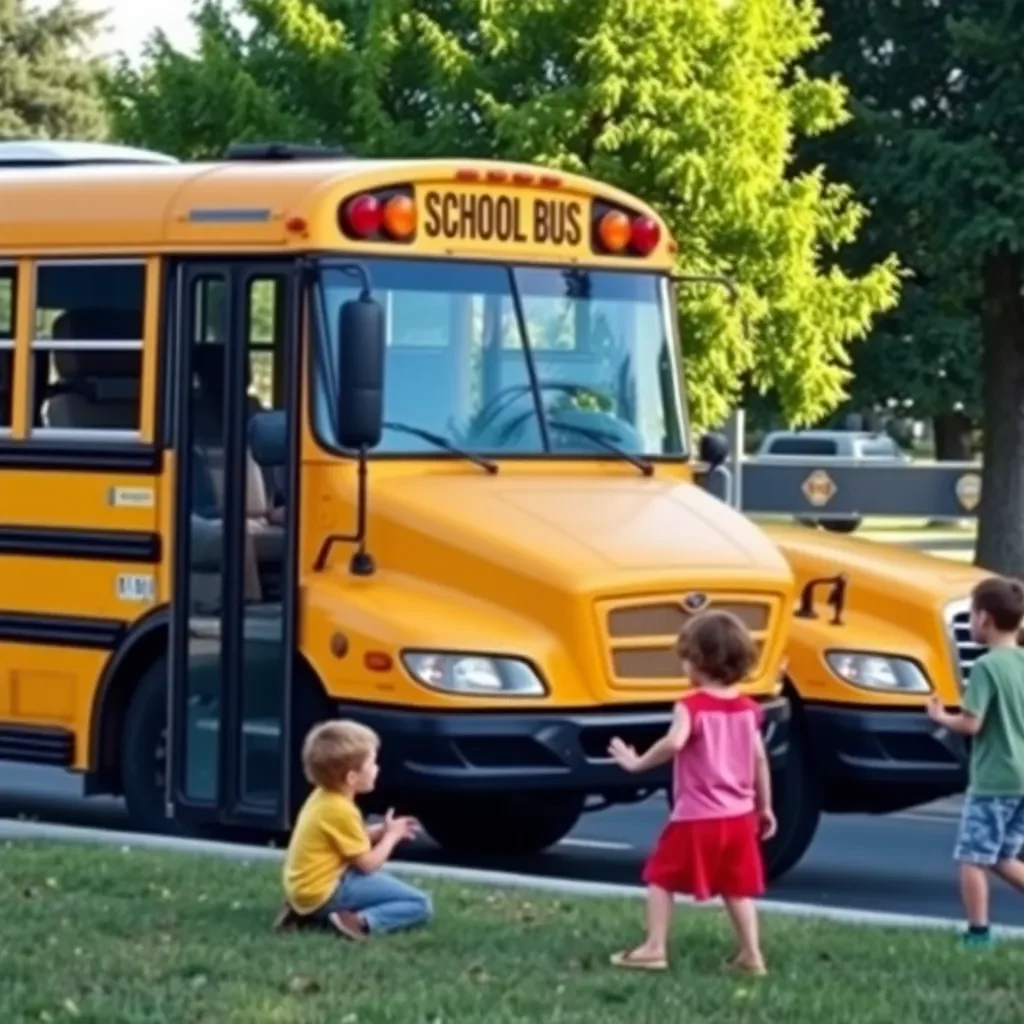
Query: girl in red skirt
[712,843]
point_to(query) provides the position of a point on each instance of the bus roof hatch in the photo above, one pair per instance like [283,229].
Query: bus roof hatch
[283,151]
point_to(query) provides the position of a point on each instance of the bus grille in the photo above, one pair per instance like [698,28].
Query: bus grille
[642,635]
[966,651]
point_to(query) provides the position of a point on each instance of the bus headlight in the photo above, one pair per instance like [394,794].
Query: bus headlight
[878,672]
[478,674]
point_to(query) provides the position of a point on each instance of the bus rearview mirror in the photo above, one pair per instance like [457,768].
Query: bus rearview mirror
[714,450]
[360,412]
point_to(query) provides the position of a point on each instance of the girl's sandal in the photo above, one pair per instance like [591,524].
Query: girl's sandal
[629,959]
[757,967]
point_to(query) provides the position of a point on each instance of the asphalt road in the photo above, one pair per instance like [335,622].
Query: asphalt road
[897,864]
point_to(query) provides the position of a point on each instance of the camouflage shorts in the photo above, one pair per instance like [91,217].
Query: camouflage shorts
[991,830]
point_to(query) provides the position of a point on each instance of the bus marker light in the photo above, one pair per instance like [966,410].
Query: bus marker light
[645,235]
[614,230]
[400,217]
[363,216]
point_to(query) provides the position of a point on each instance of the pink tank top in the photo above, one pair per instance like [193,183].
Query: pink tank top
[713,775]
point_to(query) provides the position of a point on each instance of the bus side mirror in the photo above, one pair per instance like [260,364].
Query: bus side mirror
[360,412]
[714,450]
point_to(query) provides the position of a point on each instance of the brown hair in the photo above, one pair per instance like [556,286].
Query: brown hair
[1002,599]
[333,749]
[718,646]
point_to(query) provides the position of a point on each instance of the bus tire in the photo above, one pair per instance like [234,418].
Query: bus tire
[495,825]
[797,797]
[144,753]
[851,525]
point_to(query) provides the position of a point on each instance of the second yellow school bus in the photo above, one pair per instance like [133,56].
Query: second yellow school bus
[294,435]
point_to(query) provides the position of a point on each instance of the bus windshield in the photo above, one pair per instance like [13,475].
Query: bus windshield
[519,360]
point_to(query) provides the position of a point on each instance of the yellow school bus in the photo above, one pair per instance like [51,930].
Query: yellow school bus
[858,678]
[293,435]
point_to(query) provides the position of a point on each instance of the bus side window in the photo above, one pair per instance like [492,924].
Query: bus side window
[87,349]
[266,336]
[8,298]
[266,342]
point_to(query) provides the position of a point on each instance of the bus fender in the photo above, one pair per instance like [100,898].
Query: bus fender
[145,641]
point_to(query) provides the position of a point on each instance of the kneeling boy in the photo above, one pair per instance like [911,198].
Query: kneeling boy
[332,872]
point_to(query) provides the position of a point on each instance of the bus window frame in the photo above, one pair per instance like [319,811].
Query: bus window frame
[35,345]
[11,344]
[320,349]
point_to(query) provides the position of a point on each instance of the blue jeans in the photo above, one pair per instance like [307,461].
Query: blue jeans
[384,902]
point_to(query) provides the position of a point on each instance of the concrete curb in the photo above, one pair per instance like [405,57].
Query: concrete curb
[16,830]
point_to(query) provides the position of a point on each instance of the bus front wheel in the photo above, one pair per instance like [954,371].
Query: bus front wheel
[496,825]
[797,797]
[144,753]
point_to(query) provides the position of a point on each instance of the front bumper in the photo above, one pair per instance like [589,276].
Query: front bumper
[532,750]
[891,746]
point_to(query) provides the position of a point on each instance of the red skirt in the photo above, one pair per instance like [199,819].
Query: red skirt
[708,858]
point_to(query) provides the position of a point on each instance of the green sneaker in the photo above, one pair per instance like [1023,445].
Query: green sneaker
[976,940]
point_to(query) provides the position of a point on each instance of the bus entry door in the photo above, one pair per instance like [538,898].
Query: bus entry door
[233,614]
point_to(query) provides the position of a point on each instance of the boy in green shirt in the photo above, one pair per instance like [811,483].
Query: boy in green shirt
[992,828]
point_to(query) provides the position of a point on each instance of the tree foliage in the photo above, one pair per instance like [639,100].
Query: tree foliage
[48,83]
[695,105]
[926,350]
[935,148]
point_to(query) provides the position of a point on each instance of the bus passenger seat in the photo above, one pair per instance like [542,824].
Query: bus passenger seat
[96,391]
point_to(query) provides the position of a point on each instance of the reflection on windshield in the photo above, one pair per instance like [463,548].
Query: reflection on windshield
[596,359]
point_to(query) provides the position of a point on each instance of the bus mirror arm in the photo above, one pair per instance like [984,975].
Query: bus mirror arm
[723,280]
[836,597]
[362,562]
[359,410]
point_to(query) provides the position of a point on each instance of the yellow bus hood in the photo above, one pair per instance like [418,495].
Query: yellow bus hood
[528,565]
[580,532]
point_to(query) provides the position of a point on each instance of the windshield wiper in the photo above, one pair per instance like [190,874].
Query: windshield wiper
[443,442]
[602,438]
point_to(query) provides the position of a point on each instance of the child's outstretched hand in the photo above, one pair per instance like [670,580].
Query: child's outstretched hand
[401,828]
[623,755]
[936,712]
[767,824]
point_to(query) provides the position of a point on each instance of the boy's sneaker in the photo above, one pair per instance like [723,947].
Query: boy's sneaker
[348,925]
[976,940]
[287,920]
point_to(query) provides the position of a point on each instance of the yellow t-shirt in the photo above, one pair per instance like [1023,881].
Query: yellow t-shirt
[328,835]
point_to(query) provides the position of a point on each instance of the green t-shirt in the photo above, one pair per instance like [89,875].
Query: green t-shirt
[996,696]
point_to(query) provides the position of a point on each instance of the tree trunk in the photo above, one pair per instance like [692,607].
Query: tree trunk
[1001,513]
[952,437]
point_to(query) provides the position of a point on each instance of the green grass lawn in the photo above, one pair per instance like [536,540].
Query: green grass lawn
[110,936]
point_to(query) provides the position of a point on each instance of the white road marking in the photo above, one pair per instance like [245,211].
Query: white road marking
[12,830]
[596,844]
[930,819]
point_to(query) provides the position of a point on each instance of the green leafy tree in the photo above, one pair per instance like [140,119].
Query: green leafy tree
[694,105]
[935,149]
[922,355]
[49,85]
